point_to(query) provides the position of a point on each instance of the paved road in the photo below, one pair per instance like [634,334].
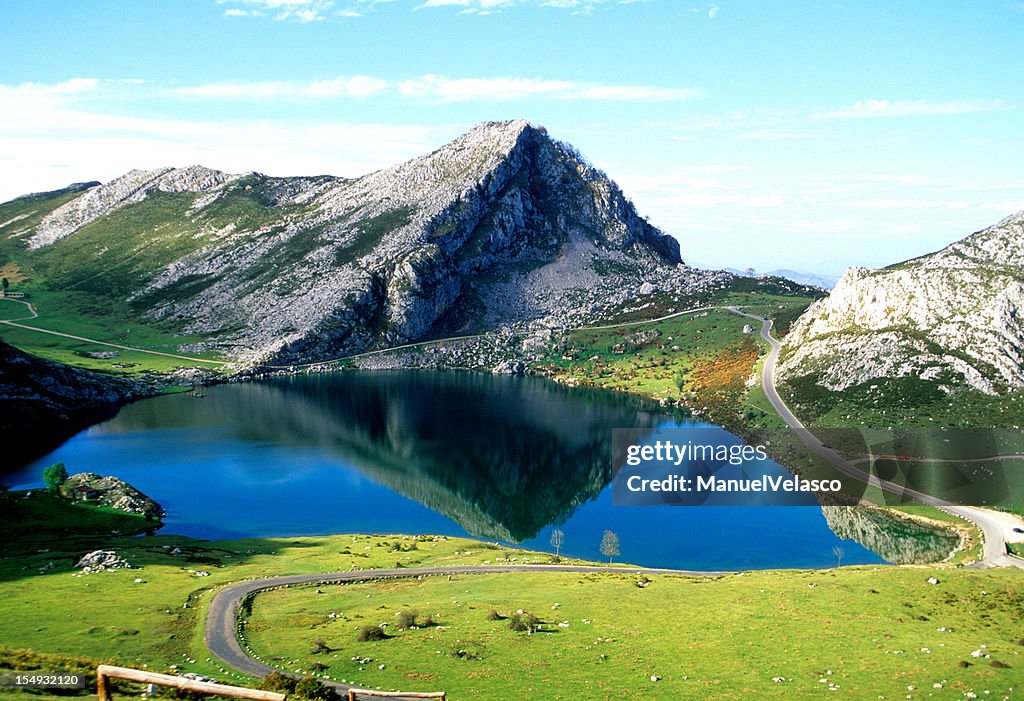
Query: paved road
[221,632]
[997,527]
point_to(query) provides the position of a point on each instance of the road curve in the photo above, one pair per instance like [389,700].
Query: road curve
[221,631]
[996,527]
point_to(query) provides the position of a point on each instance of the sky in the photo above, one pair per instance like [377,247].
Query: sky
[802,135]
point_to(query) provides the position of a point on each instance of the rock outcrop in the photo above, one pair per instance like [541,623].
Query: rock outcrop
[112,492]
[952,317]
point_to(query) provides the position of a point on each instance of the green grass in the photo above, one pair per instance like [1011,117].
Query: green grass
[870,631]
[80,285]
[713,631]
[643,359]
[905,402]
[32,522]
[157,621]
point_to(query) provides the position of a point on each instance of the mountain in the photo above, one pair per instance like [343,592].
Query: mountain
[810,279]
[813,279]
[504,224]
[951,318]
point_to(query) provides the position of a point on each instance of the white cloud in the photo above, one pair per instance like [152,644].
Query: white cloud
[447,89]
[49,139]
[303,11]
[359,86]
[873,109]
[712,12]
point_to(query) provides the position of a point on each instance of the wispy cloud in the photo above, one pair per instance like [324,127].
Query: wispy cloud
[486,7]
[359,86]
[874,109]
[447,89]
[316,10]
[440,89]
[304,11]
[51,135]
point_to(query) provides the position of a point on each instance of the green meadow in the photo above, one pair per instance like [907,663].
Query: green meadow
[864,632]
[770,634]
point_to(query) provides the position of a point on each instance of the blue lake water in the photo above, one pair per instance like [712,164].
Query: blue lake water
[498,458]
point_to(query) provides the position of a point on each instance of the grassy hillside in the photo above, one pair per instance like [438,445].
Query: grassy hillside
[80,286]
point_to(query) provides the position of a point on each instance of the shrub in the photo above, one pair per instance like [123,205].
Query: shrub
[314,690]
[320,647]
[371,632]
[275,681]
[495,616]
[524,622]
[407,618]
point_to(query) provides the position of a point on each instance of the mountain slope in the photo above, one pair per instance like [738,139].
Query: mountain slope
[951,319]
[502,225]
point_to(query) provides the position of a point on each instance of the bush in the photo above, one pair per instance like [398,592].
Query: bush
[275,681]
[320,647]
[371,632]
[524,622]
[406,619]
[495,616]
[314,690]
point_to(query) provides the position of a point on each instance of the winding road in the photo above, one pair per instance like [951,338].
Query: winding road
[996,527]
[222,635]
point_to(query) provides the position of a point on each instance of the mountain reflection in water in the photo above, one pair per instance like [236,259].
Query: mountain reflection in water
[501,456]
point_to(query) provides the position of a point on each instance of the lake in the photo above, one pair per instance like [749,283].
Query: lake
[498,458]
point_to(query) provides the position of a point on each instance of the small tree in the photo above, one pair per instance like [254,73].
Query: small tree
[679,380]
[609,545]
[838,552]
[54,476]
[4,283]
[557,540]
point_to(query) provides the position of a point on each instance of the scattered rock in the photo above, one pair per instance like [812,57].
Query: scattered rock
[101,560]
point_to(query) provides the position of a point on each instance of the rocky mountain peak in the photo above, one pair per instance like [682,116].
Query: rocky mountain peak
[952,317]
[505,224]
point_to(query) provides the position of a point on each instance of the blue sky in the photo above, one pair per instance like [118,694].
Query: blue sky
[805,135]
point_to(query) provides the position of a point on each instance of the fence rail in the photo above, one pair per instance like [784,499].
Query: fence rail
[354,694]
[105,672]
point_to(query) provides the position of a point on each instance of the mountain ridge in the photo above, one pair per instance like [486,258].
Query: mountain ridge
[502,225]
[951,317]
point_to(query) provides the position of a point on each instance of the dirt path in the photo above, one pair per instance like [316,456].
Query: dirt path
[35,315]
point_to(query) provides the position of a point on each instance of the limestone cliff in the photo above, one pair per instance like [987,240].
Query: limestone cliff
[952,317]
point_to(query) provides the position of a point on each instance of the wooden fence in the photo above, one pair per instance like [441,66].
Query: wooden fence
[354,694]
[105,672]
